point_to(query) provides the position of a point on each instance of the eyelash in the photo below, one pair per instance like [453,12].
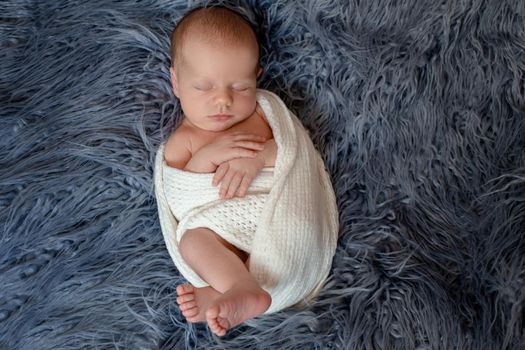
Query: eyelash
[206,89]
[200,88]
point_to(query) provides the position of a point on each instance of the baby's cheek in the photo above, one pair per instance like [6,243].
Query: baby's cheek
[248,104]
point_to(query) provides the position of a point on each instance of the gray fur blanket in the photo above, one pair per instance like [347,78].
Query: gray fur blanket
[417,106]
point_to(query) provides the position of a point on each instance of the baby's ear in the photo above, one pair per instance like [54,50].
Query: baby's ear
[174,81]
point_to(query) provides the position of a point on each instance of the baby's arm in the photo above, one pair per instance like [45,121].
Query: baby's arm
[206,160]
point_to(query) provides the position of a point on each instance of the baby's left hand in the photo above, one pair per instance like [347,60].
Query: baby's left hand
[236,175]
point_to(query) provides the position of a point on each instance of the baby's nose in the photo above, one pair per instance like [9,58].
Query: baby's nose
[224,97]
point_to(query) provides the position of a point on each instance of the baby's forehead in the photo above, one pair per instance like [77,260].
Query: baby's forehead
[219,36]
[197,41]
[209,59]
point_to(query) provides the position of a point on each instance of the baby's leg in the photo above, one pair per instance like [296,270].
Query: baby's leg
[194,302]
[221,267]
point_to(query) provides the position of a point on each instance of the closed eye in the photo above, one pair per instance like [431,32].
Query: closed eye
[202,87]
[241,89]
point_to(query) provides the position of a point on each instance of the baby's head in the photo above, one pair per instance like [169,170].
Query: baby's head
[215,65]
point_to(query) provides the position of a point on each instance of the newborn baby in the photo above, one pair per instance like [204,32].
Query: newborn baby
[245,203]
[216,64]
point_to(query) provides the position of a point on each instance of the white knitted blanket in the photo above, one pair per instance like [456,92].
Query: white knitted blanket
[291,215]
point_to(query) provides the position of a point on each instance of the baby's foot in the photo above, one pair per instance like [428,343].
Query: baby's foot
[235,306]
[193,302]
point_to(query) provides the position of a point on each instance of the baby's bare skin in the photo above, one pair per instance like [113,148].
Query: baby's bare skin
[222,311]
[194,302]
[241,302]
[255,124]
[233,296]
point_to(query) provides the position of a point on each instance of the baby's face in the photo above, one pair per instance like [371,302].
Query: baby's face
[216,86]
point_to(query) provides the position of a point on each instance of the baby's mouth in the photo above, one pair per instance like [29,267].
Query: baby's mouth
[221,117]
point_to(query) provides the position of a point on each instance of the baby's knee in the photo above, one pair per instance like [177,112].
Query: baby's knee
[188,243]
[192,240]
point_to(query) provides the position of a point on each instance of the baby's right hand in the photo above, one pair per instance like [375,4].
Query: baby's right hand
[223,149]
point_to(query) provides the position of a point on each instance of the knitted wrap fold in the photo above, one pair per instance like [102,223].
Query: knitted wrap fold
[295,212]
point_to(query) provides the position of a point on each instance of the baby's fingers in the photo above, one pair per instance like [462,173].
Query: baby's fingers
[225,183]
[257,146]
[219,173]
[240,152]
[234,185]
[245,184]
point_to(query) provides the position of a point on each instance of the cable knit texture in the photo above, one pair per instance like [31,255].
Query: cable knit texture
[294,237]
[198,205]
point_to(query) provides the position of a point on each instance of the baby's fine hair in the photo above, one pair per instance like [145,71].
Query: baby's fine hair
[217,25]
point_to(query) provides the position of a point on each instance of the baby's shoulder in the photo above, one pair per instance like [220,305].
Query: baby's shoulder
[260,112]
[178,136]
[178,146]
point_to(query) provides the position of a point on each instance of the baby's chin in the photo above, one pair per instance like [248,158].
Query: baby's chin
[219,126]
[225,123]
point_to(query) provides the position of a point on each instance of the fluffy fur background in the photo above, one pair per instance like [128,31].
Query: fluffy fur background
[417,106]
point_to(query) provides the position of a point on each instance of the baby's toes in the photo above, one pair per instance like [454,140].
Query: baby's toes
[184,289]
[188,305]
[216,328]
[212,316]
[223,324]
[185,298]
[190,313]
